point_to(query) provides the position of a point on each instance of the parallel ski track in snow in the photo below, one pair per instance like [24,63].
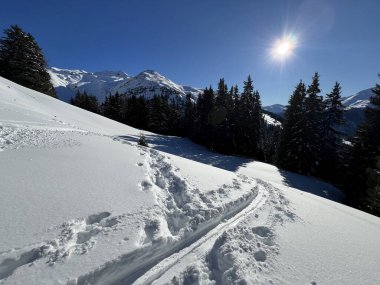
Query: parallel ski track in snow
[210,237]
[134,265]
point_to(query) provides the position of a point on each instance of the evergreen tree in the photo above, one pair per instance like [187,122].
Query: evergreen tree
[332,138]
[137,112]
[202,125]
[189,116]
[113,107]
[364,181]
[314,128]
[249,121]
[293,141]
[220,119]
[22,61]
[175,119]
[85,101]
[158,114]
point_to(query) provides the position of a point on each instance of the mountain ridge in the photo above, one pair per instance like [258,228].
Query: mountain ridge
[147,83]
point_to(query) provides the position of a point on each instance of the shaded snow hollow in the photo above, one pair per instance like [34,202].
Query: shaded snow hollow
[81,203]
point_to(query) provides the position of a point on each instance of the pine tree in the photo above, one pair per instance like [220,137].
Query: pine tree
[332,137]
[249,121]
[314,128]
[112,107]
[202,125]
[189,116]
[22,61]
[220,119]
[85,101]
[293,141]
[363,179]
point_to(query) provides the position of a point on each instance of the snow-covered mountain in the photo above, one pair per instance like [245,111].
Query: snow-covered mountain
[68,82]
[147,83]
[81,203]
[359,100]
[277,109]
[354,106]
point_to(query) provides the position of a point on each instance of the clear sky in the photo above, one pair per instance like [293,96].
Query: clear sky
[196,42]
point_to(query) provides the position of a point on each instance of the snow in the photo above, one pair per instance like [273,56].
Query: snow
[359,100]
[271,121]
[68,82]
[81,203]
[147,83]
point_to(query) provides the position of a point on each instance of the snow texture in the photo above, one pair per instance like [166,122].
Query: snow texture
[82,203]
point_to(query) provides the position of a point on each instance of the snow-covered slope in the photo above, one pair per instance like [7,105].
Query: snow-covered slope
[81,203]
[147,83]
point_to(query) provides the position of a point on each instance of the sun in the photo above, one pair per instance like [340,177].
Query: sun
[284,48]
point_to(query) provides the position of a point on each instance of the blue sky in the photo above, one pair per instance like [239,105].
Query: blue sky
[196,42]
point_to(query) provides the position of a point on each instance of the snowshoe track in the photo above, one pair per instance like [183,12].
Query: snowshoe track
[186,218]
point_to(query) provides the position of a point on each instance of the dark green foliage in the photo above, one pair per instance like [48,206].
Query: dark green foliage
[136,112]
[362,183]
[189,117]
[293,142]
[269,142]
[310,141]
[248,121]
[158,115]
[220,119]
[86,101]
[114,107]
[22,61]
[331,154]
[202,123]
[314,128]
[142,140]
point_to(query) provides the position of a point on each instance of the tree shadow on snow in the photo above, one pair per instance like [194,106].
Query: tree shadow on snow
[185,148]
[311,185]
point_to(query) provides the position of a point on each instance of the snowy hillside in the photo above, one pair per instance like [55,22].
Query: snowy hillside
[147,83]
[81,203]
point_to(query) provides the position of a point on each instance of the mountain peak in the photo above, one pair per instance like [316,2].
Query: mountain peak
[148,83]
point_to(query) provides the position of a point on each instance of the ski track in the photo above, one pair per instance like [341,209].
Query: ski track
[183,219]
[239,251]
[185,216]
[212,235]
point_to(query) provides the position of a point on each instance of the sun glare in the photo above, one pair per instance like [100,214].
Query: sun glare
[284,47]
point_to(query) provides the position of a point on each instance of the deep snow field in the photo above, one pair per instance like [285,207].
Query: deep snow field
[81,203]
